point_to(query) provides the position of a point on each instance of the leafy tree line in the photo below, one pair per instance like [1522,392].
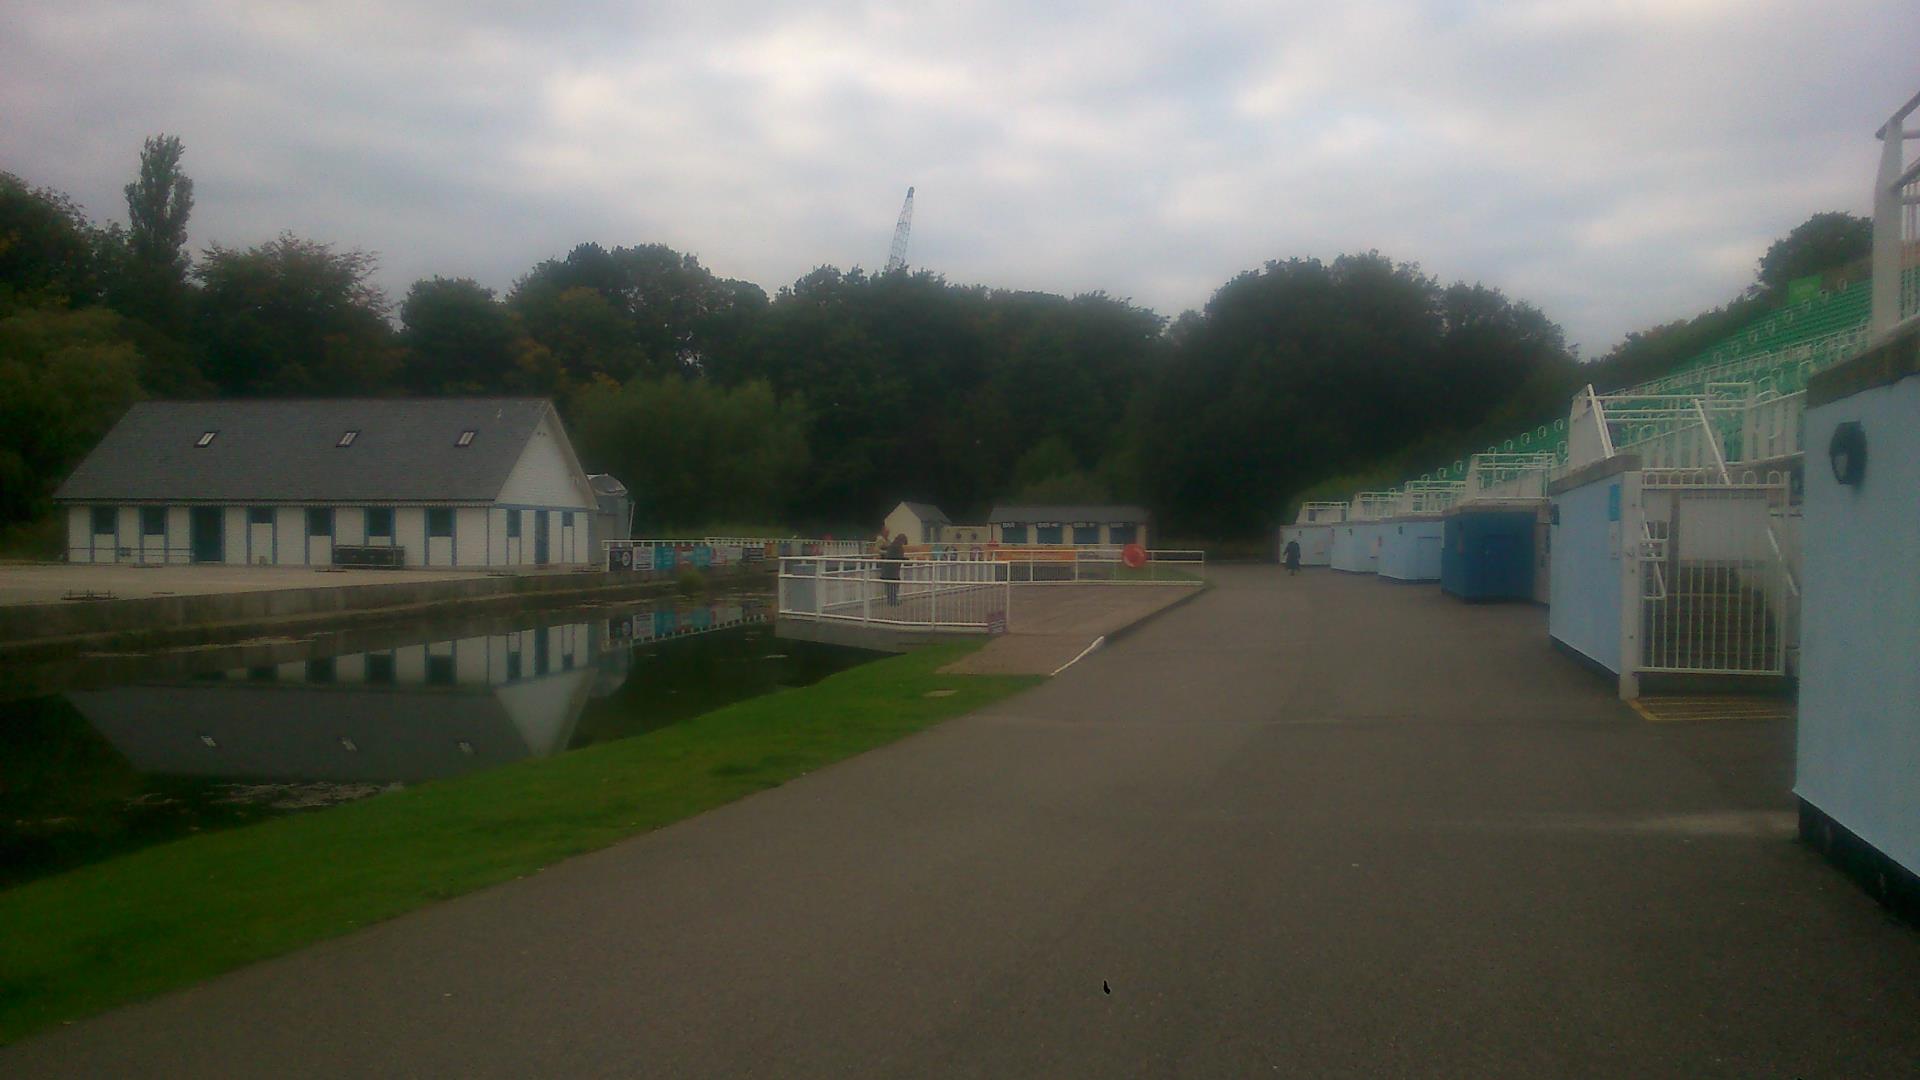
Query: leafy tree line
[818,406]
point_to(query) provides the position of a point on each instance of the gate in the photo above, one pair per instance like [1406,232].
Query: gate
[1716,595]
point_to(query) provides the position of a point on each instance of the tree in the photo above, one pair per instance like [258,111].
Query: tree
[695,454]
[1823,242]
[293,317]
[673,316]
[158,205]
[49,253]
[65,377]
[460,340]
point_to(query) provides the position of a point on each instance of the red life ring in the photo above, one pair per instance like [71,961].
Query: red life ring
[1134,556]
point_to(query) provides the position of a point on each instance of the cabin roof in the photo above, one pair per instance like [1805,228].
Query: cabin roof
[400,450]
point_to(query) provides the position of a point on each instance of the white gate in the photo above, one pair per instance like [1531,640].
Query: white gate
[1716,595]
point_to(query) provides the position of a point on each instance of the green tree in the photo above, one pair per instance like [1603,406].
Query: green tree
[460,340]
[154,275]
[694,453]
[293,316]
[672,315]
[1823,242]
[65,377]
[49,253]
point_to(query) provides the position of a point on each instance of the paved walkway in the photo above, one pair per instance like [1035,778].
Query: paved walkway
[1050,625]
[1324,826]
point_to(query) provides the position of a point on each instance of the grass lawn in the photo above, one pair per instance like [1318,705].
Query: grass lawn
[178,913]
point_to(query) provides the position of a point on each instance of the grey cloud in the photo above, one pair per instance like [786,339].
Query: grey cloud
[1617,162]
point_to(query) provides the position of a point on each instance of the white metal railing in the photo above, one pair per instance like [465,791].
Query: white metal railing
[1372,505]
[1427,496]
[1717,596]
[1508,476]
[940,595]
[1896,226]
[1321,513]
[1160,566]
[658,554]
[1771,426]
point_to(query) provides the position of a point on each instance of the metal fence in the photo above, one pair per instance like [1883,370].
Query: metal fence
[1106,567]
[1896,226]
[1508,476]
[945,595]
[1716,595]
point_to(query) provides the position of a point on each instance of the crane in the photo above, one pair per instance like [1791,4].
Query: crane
[897,256]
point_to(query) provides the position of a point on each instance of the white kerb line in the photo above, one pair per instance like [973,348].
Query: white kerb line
[1097,642]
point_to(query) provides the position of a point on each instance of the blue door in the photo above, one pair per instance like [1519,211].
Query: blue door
[206,532]
[540,537]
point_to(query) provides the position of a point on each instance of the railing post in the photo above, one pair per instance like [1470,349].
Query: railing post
[866,591]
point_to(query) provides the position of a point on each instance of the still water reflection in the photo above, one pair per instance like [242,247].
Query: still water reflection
[96,772]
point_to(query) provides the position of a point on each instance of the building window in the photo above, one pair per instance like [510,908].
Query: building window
[263,673]
[260,515]
[380,668]
[206,439]
[465,439]
[440,521]
[1046,534]
[1086,534]
[347,437]
[566,520]
[321,671]
[1122,534]
[513,665]
[153,521]
[513,524]
[1013,534]
[380,521]
[439,670]
[320,521]
[103,520]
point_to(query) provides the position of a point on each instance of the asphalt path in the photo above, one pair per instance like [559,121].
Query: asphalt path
[1321,826]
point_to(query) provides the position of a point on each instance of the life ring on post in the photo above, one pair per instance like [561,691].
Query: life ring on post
[1134,556]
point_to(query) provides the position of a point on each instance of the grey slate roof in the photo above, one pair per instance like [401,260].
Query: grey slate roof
[286,451]
[929,513]
[1019,515]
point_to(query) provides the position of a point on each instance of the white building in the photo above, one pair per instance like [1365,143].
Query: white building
[920,523]
[443,482]
[1067,525]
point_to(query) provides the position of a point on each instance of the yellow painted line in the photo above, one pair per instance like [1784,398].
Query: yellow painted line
[1667,710]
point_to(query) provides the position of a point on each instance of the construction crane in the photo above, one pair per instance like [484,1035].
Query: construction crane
[897,256]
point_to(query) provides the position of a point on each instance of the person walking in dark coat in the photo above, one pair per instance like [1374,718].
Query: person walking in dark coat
[896,554]
[1293,557]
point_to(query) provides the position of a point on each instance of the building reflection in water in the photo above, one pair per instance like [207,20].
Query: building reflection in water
[406,714]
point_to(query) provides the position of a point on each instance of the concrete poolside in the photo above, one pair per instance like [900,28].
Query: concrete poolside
[50,610]
[53,583]
[1312,826]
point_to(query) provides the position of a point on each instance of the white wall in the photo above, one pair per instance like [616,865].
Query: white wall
[470,525]
[410,532]
[1410,550]
[1589,561]
[234,538]
[545,475]
[1859,730]
[1356,547]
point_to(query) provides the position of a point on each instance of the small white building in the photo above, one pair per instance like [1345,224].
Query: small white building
[920,523]
[440,482]
[1072,526]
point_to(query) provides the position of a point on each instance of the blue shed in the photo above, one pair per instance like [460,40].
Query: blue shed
[1487,554]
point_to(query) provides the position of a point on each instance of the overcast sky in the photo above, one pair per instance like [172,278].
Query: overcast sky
[1617,162]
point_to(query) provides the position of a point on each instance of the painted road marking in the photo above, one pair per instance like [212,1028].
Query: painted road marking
[1675,710]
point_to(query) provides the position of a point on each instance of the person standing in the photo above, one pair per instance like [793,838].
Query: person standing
[895,555]
[1293,557]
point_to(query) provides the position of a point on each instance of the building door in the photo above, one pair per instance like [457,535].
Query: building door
[540,538]
[206,527]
